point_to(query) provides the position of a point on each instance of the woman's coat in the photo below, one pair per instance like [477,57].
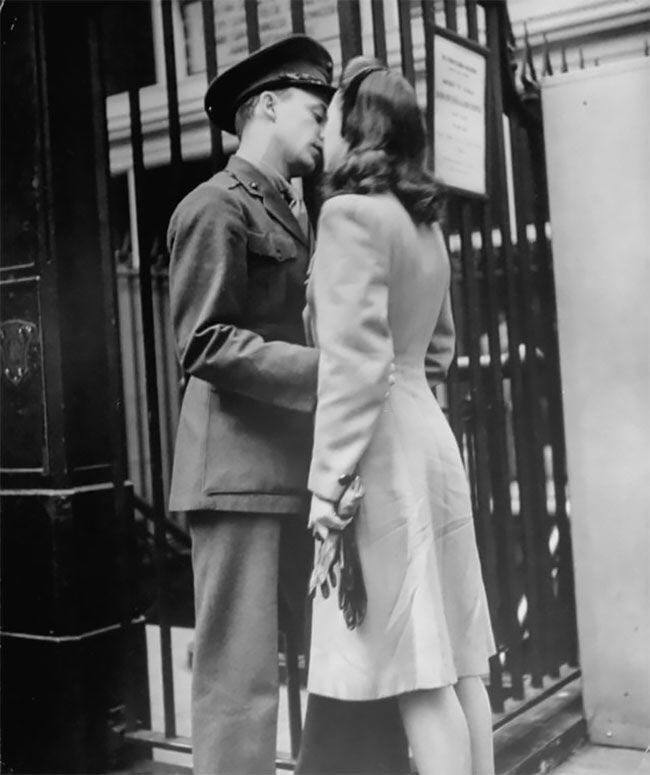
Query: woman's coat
[379,289]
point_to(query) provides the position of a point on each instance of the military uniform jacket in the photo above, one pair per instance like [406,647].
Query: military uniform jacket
[239,261]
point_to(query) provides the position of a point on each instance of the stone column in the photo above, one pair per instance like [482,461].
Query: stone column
[597,131]
[70,631]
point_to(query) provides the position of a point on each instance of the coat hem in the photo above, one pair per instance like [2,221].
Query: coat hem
[478,668]
[261,503]
[396,692]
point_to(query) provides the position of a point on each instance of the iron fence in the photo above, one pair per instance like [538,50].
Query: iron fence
[503,396]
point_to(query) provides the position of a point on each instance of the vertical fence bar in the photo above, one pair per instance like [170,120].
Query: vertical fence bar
[533,391]
[170,364]
[429,20]
[172,99]
[454,388]
[406,41]
[509,630]
[566,589]
[298,16]
[166,396]
[153,415]
[133,286]
[379,30]
[526,510]
[210,44]
[500,474]
[472,20]
[349,13]
[451,20]
[482,516]
[505,529]
[252,25]
[130,363]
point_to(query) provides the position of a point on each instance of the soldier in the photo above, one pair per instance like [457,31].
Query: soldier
[240,246]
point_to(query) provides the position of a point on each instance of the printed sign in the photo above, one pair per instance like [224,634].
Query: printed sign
[459,116]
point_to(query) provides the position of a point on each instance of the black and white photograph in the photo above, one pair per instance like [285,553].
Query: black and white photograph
[325,387]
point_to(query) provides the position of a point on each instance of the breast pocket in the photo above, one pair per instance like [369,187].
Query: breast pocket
[270,256]
[271,245]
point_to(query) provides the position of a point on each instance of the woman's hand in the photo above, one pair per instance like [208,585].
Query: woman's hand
[323,518]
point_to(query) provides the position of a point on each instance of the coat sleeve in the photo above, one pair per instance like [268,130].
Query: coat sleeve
[440,352]
[208,288]
[350,299]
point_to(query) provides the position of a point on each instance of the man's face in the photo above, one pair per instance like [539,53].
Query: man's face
[299,121]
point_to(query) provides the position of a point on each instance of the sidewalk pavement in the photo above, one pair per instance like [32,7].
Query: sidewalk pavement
[601,760]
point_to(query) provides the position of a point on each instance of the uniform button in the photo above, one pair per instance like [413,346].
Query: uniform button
[253,185]
[345,480]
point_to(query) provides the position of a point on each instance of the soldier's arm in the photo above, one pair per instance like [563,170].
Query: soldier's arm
[208,288]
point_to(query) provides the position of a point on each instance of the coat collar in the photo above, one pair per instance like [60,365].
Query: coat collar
[259,185]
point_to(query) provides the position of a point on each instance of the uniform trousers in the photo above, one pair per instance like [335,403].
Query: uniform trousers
[250,573]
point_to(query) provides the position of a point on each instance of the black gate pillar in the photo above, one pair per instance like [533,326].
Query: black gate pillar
[68,625]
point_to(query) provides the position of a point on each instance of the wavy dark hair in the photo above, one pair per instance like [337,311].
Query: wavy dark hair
[383,126]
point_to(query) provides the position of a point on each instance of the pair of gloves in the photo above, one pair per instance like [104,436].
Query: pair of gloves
[336,554]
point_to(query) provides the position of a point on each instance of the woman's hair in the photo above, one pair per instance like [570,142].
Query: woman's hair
[384,129]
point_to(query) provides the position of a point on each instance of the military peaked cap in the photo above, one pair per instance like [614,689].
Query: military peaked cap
[297,61]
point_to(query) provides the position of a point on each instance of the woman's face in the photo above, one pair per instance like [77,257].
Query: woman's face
[334,146]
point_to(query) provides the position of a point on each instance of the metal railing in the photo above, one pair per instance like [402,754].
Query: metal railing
[503,395]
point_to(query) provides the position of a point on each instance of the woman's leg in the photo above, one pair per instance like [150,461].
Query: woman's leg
[476,706]
[437,731]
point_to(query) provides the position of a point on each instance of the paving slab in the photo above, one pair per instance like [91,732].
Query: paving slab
[601,760]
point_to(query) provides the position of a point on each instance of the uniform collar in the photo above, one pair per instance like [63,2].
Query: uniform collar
[267,185]
[279,181]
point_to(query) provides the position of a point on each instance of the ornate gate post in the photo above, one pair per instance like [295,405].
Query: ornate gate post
[68,622]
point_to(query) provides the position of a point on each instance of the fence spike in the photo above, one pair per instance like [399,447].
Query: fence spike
[581,59]
[529,55]
[548,67]
[528,75]
[564,66]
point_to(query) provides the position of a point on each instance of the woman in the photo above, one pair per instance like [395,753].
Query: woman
[378,304]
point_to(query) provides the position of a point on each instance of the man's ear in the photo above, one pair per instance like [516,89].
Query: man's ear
[267,103]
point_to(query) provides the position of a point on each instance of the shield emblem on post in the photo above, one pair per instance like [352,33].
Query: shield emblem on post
[16,336]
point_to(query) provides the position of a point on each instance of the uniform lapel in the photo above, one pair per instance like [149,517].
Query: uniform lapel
[257,184]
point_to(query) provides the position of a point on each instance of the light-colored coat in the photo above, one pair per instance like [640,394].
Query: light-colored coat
[379,288]
[362,313]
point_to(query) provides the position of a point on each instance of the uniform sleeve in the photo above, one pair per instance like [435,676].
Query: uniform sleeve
[208,290]
[350,300]
[440,352]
